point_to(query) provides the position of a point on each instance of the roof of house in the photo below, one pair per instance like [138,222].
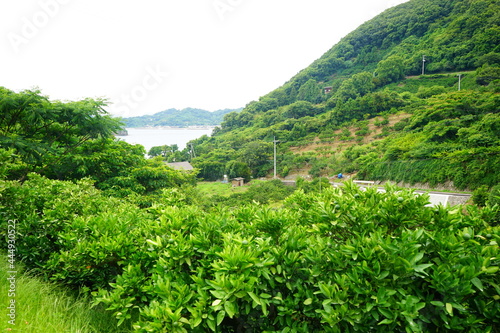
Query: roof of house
[186,166]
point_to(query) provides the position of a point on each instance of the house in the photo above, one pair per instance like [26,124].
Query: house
[238,182]
[185,166]
[327,90]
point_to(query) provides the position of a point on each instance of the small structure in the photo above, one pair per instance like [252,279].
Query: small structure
[327,90]
[238,182]
[184,166]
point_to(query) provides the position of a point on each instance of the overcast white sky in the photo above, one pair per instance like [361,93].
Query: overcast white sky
[150,55]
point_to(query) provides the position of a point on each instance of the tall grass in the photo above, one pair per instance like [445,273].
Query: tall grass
[218,188]
[42,307]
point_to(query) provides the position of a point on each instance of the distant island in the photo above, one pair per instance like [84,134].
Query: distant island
[179,118]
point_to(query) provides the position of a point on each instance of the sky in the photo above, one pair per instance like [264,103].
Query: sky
[147,56]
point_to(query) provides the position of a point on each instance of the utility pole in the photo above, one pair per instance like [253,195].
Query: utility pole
[423,65]
[193,155]
[459,79]
[275,141]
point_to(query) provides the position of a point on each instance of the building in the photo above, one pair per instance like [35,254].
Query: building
[327,90]
[185,166]
[238,182]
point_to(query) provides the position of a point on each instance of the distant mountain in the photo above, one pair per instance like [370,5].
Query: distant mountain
[180,118]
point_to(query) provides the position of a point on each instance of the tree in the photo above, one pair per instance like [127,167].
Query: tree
[158,151]
[363,83]
[257,156]
[100,160]
[236,169]
[43,131]
[487,74]
[210,170]
[346,91]
[491,59]
[155,175]
[391,69]
[299,109]
[309,91]
[169,153]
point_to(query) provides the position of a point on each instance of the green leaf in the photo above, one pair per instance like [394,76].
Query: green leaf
[417,257]
[475,281]
[264,309]
[218,294]
[220,317]
[386,322]
[211,324]
[325,290]
[438,303]
[149,241]
[420,268]
[254,297]
[382,275]
[230,309]
[216,302]
[492,269]
[449,308]
[386,312]
[308,301]
[196,321]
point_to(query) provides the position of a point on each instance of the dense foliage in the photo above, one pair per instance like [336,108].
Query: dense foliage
[339,260]
[41,132]
[75,140]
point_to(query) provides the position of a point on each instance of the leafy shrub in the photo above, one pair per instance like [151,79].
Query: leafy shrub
[341,260]
[381,122]
[362,132]
[426,92]
[480,195]
[344,260]
[494,196]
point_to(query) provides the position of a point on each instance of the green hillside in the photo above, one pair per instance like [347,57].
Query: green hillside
[407,63]
[179,118]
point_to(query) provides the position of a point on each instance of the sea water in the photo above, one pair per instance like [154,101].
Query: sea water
[160,136]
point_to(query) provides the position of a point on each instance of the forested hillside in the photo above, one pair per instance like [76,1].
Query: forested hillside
[179,118]
[433,64]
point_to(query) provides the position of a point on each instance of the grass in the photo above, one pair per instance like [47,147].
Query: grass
[42,307]
[218,188]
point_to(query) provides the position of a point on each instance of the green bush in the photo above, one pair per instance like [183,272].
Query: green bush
[494,196]
[330,260]
[344,260]
[480,195]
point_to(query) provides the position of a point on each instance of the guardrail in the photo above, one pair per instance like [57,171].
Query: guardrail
[364,182]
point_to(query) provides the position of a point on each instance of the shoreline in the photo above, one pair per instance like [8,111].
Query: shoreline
[200,127]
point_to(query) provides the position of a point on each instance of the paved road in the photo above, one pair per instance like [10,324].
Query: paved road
[435,197]
[442,198]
